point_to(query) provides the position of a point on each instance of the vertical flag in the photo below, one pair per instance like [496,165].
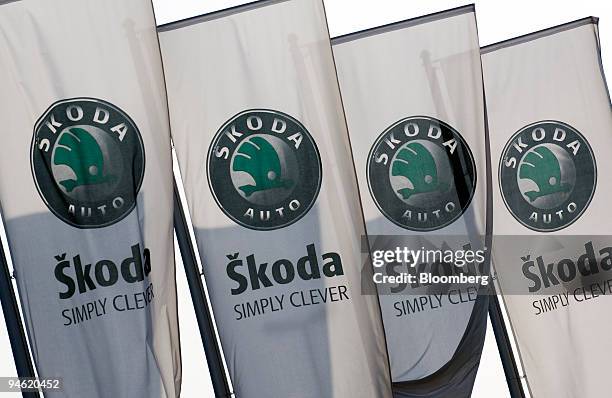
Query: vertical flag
[551,122]
[413,97]
[259,133]
[86,193]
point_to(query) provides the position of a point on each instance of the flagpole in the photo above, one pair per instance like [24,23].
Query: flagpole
[504,347]
[513,377]
[212,349]
[14,326]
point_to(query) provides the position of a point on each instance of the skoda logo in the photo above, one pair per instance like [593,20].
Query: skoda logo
[421,174]
[547,175]
[88,162]
[264,169]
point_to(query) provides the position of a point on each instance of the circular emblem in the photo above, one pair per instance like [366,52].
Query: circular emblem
[264,169]
[421,174]
[88,162]
[547,175]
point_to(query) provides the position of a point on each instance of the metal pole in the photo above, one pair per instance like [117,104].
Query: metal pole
[511,371]
[14,326]
[198,295]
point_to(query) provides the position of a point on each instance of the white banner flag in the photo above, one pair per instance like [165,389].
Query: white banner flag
[89,221]
[551,133]
[413,97]
[263,149]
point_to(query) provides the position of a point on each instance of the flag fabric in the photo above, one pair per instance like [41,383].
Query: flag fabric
[86,194]
[413,96]
[550,121]
[261,141]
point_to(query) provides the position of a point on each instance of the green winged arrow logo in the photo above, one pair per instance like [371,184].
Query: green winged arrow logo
[415,163]
[542,167]
[78,150]
[259,159]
